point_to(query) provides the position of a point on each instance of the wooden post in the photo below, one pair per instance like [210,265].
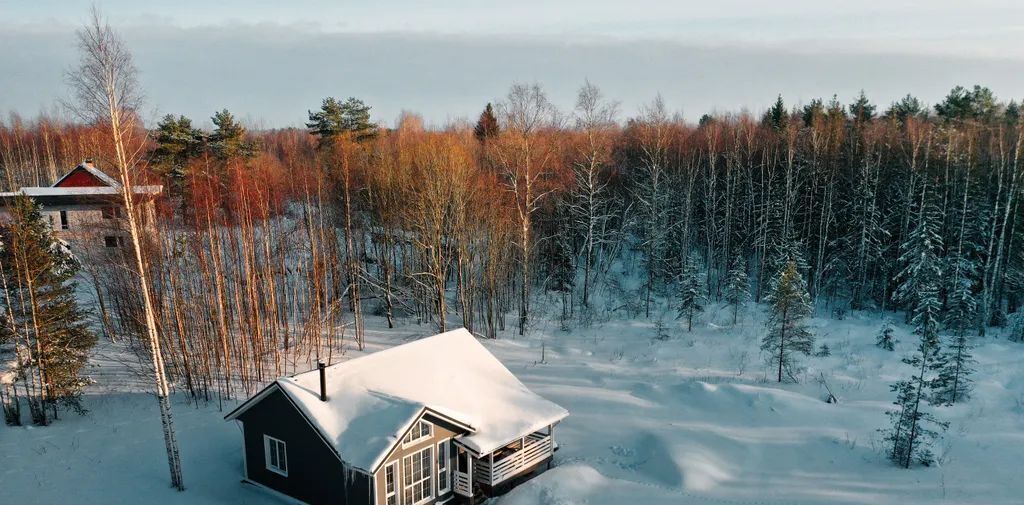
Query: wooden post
[551,444]
[522,453]
[469,472]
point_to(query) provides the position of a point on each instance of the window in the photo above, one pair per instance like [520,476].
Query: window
[109,241]
[443,481]
[64,220]
[420,430]
[111,212]
[390,484]
[416,472]
[276,453]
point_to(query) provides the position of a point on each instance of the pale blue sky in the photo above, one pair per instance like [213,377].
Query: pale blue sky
[270,61]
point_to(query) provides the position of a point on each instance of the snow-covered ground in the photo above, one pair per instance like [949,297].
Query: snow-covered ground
[690,419]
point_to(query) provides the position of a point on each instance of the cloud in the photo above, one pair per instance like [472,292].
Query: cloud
[273,73]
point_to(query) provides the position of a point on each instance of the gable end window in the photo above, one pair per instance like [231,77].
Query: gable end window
[419,431]
[276,454]
[111,212]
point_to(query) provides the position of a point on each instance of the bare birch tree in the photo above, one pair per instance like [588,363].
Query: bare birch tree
[589,195]
[106,90]
[525,158]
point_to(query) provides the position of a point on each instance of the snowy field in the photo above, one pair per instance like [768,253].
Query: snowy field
[690,419]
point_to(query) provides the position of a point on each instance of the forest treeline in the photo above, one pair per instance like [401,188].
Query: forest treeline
[272,244]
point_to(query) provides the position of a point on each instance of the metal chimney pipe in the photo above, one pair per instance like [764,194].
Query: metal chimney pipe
[323,381]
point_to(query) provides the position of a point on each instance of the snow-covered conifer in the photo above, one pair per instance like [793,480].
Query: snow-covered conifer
[788,334]
[691,290]
[953,383]
[885,338]
[824,351]
[913,430]
[46,320]
[737,286]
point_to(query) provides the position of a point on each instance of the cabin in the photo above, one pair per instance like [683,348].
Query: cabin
[436,420]
[85,207]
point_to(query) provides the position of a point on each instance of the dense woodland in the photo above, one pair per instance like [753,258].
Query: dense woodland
[272,244]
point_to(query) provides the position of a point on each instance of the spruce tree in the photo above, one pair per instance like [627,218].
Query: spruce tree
[787,335]
[691,290]
[812,111]
[953,383]
[885,338]
[783,253]
[487,126]
[45,317]
[919,281]
[1011,114]
[737,286]
[914,429]
[776,117]
[824,351]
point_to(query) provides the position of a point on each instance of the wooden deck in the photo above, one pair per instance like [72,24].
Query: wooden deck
[502,465]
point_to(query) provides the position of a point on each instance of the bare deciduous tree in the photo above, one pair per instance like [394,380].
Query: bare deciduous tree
[524,158]
[590,200]
[107,91]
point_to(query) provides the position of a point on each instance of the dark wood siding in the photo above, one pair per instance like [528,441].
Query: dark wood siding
[315,475]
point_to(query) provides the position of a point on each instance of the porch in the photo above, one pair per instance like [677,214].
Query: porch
[491,470]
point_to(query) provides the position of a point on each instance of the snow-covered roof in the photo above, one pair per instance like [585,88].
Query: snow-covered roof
[80,191]
[112,187]
[89,167]
[374,399]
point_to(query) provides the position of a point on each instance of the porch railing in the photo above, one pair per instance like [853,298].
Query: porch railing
[535,448]
[463,485]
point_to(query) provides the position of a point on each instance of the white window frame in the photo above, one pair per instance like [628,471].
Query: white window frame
[444,485]
[416,429]
[425,474]
[280,444]
[388,495]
